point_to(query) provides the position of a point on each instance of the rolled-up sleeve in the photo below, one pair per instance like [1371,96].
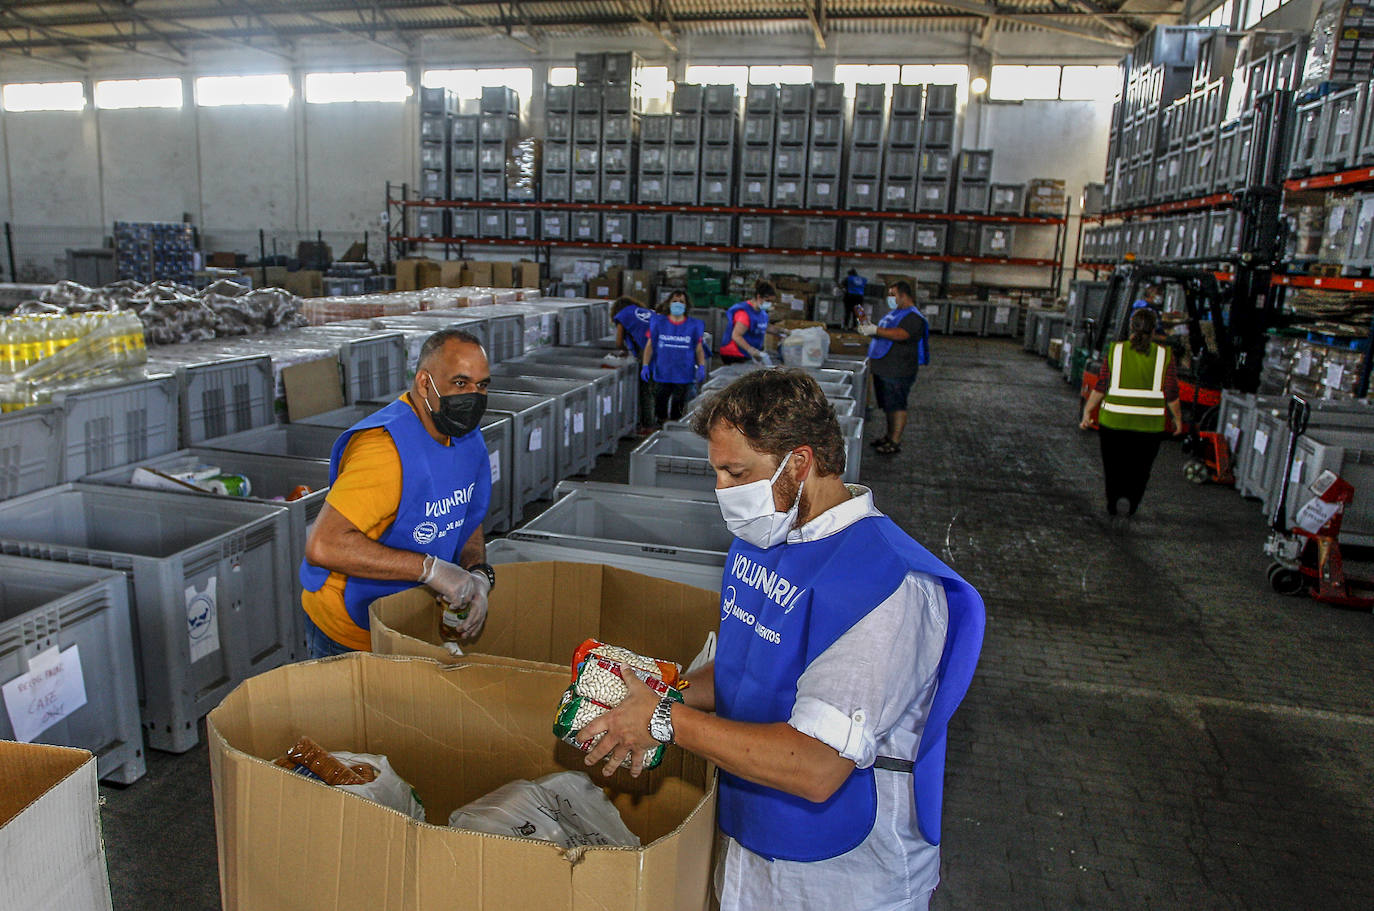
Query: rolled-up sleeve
[854,692]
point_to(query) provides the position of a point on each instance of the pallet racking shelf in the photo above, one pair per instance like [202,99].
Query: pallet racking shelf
[1334,180]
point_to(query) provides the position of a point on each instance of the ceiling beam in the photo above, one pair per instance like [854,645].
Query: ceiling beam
[1034,20]
[659,32]
[489,26]
[404,52]
[65,38]
[815,13]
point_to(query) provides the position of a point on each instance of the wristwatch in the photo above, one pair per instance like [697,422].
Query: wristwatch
[486,570]
[661,721]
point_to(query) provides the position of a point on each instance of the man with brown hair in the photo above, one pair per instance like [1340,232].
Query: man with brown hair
[833,628]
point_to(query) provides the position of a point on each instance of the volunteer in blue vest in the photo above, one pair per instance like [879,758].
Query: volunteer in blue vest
[631,332]
[899,346]
[748,324]
[674,358]
[832,629]
[409,488]
[854,285]
[1138,383]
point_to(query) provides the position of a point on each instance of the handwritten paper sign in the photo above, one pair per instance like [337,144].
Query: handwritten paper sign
[51,690]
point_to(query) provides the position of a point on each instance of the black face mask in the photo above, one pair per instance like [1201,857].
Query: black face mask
[458,414]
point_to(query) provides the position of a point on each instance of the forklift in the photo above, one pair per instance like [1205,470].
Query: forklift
[1192,298]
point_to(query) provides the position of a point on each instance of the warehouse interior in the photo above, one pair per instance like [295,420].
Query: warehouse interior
[230,228]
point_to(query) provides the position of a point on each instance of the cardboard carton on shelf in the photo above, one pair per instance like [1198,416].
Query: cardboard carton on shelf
[502,274]
[305,283]
[51,855]
[454,273]
[417,274]
[454,734]
[607,286]
[638,285]
[528,274]
[479,273]
[1045,197]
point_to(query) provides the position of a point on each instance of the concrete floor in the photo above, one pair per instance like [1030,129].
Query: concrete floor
[1150,726]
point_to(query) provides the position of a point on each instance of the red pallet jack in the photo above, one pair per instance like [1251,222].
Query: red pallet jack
[1209,455]
[1307,556]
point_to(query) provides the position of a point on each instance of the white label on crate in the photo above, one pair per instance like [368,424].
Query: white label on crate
[579,422]
[823,189]
[1295,476]
[51,689]
[202,620]
[925,239]
[605,404]
[617,238]
[1232,435]
[495,459]
[965,314]
[861,236]
[536,442]
[567,429]
[1334,373]
[1261,442]
[1315,513]
[1304,362]
[1001,315]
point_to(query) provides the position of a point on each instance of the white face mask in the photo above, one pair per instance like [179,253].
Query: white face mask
[751,515]
[892,302]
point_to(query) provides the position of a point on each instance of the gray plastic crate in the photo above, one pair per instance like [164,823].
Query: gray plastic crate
[604,419]
[996,240]
[373,367]
[936,313]
[271,477]
[897,236]
[534,467]
[676,458]
[46,605]
[620,519]
[31,447]
[717,230]
[1350,455]
[930,238]
[496,431]
[932,197]
[755,230]
[1002,320]
[222,397]
[967,317]
[573,319]
[302,441]
[508,550]
[651,228]
[211,587]
[115,425]
[625,417]
[862,234]
[574,436]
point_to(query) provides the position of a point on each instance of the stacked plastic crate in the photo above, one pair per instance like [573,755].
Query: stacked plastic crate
[586,147]
[684,152]
[620,132]
[656,131]
[790,154]
[865,147]
[899,154]
[719,147]
[463,159]
[939,144]
[760,127]
[555,184]
[437,107]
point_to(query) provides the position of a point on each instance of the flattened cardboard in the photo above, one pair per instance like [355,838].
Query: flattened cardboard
[455,734]
[312,388]
[51,855]
[540,612]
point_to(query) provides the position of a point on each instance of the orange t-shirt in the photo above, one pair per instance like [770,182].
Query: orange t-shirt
[367,492]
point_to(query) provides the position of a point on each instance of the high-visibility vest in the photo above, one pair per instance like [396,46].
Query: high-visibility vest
[1135,389]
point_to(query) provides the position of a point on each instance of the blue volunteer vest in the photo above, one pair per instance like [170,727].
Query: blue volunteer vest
[445,491]
[879,347]
[753,336]
[780,609]
[855,284]
[636,323]
[675,348]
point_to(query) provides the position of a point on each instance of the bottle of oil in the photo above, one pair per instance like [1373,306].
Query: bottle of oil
[453,618]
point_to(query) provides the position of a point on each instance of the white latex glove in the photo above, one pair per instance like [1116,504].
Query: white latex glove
[868,329]
[458,587]
[761,357]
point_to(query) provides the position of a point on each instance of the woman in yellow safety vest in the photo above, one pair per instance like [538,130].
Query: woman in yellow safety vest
[1136,385]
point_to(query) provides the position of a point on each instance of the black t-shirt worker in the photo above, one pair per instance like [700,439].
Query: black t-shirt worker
[899,346]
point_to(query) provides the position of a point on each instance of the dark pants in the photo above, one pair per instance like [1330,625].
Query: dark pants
[850,302]
[320,645]
[1127,457]
[670,399]
[646,404]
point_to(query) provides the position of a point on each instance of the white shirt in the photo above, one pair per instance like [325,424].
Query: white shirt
[866,696]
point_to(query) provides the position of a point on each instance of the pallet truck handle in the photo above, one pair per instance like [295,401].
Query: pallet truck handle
[1298,413]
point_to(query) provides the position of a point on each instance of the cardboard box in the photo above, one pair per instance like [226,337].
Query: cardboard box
[222,260]
[502,274]
[305,283]
[604,286]
[312,388]
[455,734]
[638,285]
[528,275]
[541,612]
[51,855]
[479,274]
[454,273]
[416,274]
[276,276]
[847,344]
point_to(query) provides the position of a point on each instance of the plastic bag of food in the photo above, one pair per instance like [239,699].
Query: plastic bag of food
[566,808]
[364,774]
[667,671]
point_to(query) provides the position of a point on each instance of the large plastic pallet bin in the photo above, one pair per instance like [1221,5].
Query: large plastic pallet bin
[222,397]
[967,317]
[534,469]
[626,413]
[298,440]
[1351,457]
[1001,320]
[620,519]
[606,395]
[115,425]
[30,450]
[508,550]
[373,367]
[676,458]
[574,436]
[212,601]
[496,431]
[45,605]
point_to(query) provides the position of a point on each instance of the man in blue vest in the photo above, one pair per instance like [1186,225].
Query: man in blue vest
[854,286]
[832,632]
[410,486]
[900,346]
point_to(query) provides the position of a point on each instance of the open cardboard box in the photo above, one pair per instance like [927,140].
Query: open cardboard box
[455,734]
[51,855]
[540,612]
